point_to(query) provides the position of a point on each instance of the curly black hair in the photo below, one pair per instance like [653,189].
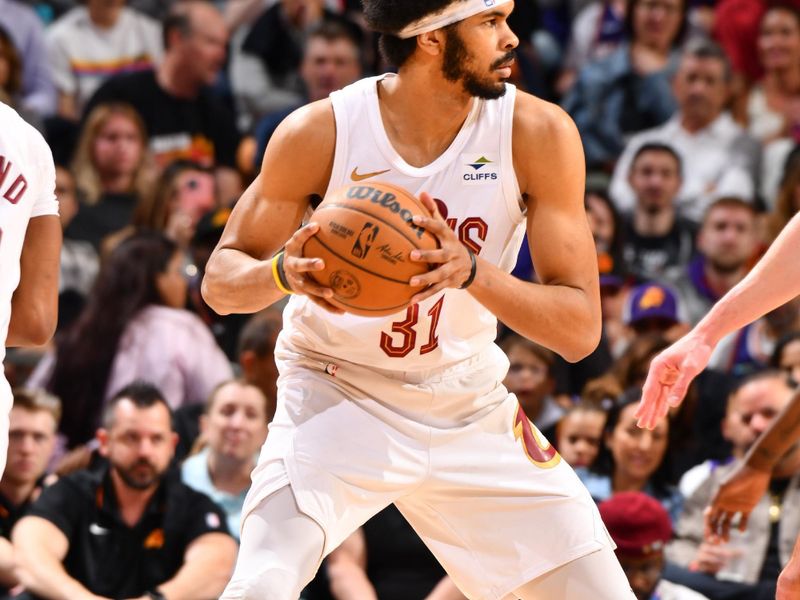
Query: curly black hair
[390,16]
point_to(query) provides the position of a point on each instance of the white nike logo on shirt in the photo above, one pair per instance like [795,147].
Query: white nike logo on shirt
[95,529]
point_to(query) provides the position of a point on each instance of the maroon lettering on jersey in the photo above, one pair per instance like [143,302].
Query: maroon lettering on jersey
[16,190]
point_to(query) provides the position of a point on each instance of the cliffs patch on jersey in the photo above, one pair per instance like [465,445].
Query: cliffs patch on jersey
[479,169]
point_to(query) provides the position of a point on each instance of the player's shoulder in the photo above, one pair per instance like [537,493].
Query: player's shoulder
[311,130]
[16,130]
[538,120]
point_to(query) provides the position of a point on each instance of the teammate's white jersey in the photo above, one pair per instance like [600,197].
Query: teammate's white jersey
[477,193]
[27,190]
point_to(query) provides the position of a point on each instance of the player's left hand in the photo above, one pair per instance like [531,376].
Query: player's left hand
[452,257]
[739,493]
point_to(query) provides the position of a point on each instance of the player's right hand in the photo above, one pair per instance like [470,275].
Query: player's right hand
[669,377]
[297,269]
[739,493]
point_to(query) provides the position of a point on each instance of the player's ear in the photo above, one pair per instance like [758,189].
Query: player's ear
[432,43]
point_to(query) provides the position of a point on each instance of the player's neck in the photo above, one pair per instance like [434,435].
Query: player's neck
[422,114]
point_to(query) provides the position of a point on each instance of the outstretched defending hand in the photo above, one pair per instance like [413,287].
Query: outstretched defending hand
[669,377]
[739,493]
[452,257]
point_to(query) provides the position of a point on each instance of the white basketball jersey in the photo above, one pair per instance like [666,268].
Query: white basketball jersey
[27,190]
[477,192]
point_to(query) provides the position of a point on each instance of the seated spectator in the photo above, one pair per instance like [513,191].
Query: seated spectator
[183,116]
[632,459]
[129,530]
[596,31]
[787,201]
[656,237]
[266,73]
[33,421]
[727,243]
[786,356]
[629,91]
[770,108]
[134,326]
[331,61]
[91,43]
[385,560]
[232,430]
[38,93]
[111,172]
[579,434]
[756,557]
[79,261]
[640,527]
[654,308]
[257,355]
[718,158]
[530,378]
[749,349]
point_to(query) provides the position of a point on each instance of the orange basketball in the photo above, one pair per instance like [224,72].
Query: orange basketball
[365,237]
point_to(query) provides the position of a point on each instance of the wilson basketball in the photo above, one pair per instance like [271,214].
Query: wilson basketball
[365,237]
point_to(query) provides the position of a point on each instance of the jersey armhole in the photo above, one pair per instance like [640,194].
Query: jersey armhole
[341,125]
[511,190]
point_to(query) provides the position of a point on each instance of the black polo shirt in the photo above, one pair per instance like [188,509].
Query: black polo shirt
[112,559]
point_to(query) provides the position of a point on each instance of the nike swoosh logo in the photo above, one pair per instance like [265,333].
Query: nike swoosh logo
[95,529]
[356,176]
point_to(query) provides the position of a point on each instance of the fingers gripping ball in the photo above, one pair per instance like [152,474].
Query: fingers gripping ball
[365,237]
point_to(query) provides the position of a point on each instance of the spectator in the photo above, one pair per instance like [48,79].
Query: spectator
[632,459]
[331,61]
[786,356]
[33,421]
[232,430]
[257,355]
[787,202]
[657,238]
[718,158]
[91,43]
[579,434]
[266,73]
[25,28]
[727,243]
[756,557]
[640,527]
[386,560]
[530,378]
[111,172]
[184,118]
[654,308]
[79,262]
[129,530]
[133,326]
[629,91]
[11,79]
[749,349]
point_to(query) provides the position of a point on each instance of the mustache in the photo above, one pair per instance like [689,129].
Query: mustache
[503,60]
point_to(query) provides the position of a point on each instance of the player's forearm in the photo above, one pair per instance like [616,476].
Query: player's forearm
[563,318]
[237,283]
[773,281]
[778,439]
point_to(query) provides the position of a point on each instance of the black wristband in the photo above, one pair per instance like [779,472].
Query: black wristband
[472,272]
[155,595]
[282,273]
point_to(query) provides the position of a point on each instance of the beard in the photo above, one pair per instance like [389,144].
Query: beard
[137,478]
[454,68]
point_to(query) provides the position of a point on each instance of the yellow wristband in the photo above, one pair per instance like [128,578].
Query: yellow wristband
[278,275]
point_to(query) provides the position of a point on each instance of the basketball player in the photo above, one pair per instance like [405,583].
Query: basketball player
[409,408]
[30,243]
[773,281]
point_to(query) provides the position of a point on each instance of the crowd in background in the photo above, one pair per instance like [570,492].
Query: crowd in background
[158,114]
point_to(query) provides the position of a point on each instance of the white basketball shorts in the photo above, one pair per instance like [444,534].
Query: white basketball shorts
[450,447]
